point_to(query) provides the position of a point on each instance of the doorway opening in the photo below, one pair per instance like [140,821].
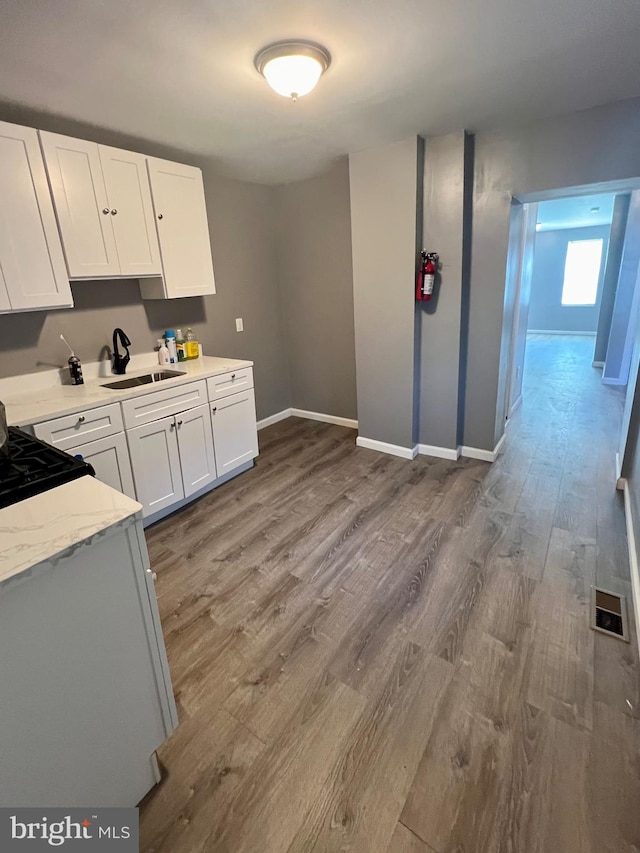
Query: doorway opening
[571,298]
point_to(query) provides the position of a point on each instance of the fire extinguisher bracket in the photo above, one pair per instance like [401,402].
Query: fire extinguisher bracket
[426,275]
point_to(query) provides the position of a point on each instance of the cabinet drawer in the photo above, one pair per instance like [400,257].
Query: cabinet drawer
[230,383]
[72,430]
[160,404]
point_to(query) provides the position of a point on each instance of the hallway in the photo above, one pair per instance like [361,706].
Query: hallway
[385,656]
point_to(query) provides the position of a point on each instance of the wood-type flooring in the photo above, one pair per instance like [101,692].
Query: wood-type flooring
[373,655]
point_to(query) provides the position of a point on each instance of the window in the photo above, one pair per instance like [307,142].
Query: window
[581,272]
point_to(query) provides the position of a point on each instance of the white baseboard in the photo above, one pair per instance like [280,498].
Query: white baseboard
[597,364]
[440,452]
[327,419]
[385,447]
[312,416]
[615,381]
[560,332]
[484,455]
[273,419]
[633,558]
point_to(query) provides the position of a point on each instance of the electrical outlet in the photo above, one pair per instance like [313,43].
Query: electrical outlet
[239,324]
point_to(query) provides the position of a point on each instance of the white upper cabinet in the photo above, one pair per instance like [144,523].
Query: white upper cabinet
[127,182]
[181,218]
[82,206]
[32,269]
[103,203]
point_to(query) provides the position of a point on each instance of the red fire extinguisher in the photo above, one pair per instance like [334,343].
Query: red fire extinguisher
[426,275]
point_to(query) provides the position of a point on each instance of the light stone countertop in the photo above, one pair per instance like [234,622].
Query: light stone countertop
[41,404]
[50,525]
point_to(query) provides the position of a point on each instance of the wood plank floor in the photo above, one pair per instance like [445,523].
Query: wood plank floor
[384,656]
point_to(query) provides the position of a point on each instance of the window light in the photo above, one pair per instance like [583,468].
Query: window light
[582,272]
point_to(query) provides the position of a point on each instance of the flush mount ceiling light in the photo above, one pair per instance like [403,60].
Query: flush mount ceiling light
[292,68]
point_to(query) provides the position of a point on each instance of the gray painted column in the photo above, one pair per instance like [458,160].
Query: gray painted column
[611,273]
[616,368]
[442,321]
[384,209]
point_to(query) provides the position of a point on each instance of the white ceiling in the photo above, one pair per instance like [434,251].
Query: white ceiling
[576,212]
[181,72]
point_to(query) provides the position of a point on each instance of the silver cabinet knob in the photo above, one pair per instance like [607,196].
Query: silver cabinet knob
[153,574]
[113,212]
[81,419]
[105,210]
[160,216]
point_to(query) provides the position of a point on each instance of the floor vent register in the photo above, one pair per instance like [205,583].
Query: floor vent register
[609,613]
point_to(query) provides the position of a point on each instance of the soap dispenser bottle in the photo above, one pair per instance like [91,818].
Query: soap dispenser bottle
[193,350]
[163,352]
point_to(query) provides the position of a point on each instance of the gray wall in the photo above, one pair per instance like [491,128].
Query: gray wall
[384,211]
[583,148]
[243,240]
[546,311]
[611,273]
[440,319]
[316,281]
[616,368]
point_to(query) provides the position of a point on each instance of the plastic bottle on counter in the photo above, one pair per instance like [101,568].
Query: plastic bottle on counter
[181,346]
[193,350]
[170,338]
[163,352]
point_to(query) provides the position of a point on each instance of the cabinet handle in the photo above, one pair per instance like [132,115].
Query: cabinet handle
[160,216]
[233,376]
[172,425]
[179,423]
[105,210]
[81,419]
[214,409]
[113,212]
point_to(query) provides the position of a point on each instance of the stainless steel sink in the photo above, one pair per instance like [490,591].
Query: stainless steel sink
[145,379]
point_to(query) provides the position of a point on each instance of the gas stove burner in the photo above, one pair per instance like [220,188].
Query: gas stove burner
[32,467]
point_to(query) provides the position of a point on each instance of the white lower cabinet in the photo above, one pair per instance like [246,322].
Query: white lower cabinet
[110,459]
[162,447]
[172,458]
[234,430]
[195,444]
[155,461]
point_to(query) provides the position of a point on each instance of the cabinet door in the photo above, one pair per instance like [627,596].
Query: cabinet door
[183,231]
[195,443]
[110,460]
[156,465]
[33,273]
[127,183]
[82,206]
[235,435]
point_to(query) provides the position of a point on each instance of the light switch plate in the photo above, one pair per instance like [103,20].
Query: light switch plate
[239,324]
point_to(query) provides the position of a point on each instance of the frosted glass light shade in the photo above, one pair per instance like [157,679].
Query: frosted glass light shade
[292,69]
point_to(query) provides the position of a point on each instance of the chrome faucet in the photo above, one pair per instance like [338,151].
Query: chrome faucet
[120,362]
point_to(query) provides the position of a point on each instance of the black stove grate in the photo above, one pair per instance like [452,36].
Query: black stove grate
[33,466]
